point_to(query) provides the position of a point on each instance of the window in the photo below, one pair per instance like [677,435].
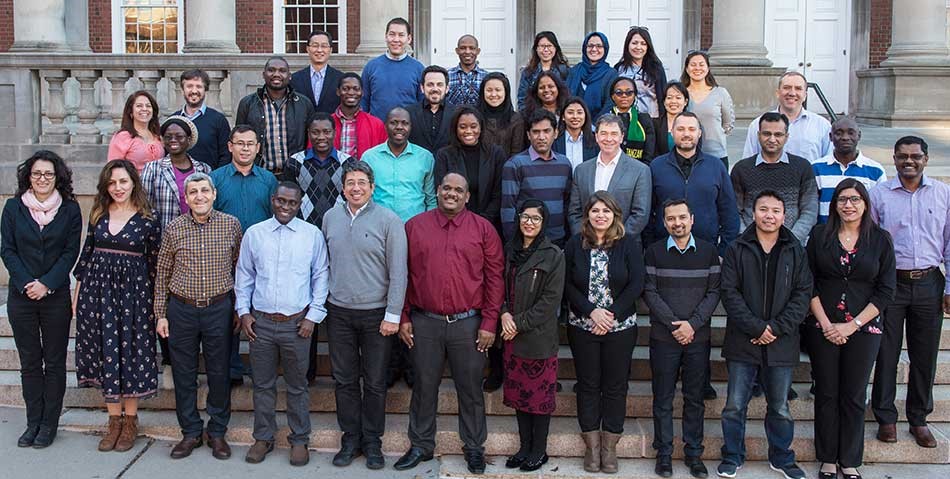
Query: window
[146,26]
[295,19]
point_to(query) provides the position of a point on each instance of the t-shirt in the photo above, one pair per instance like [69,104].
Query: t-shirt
[180,176]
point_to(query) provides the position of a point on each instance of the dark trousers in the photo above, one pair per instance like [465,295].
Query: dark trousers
[41,333]
[602,367]
[668,362]
[166,352]
[208,329]
[841,382]
[400,361]
[358,351]
[533,433]
[435,340]
[779,425]
[312,358]
[920,304]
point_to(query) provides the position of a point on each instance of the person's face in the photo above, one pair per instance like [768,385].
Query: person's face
[845,135]
[791,92]
[494,93]
[397,39]
[244,148]
[546,50]
[276,75]
[175,139]
[468,51]
[574,116]
[318,49]
[675,102]
[541,135]
[772,136]
[547,91]
[600,217]
[142,109]
[769,214]
[350,92]
[200,195]
[398,127]
[120,186]
[697,68]
[686,133]
[638,48]
[434,87]
[595,49]
[623,95]
[609,139]
[357,189]
[850,205]
[453,194]
[469,131]
[678,221]
[910,161]
[320,133]
[530,221]
[285,203]
[194,91]
[43,177]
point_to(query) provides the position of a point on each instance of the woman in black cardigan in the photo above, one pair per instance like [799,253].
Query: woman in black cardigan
[604,277]
[39,243]
[852,260]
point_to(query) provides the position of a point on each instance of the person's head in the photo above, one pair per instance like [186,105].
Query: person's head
[453,194]
[434,84]
[140,108]
[686,132]
[398,36]
[276,73]
[623,93]
[466,127]
[179,134]
[319,47]
[548,90]
[285,202]
[575,116]
[677,98]
[494,92]
[696,69]
[541,130]
[546,49]
[596,47]
[200,194]
[358,183]
[350,89]
[910,157]
[244,145]
[768,211]
[845,135]
[398,126]
[850,204]
[609,134]
[119,183]
[638,50]
[678,218]
[194,86]
[320,132]
[773,132]
[44,172]
[467,50]
[603,218]
[532,217]
[792,91]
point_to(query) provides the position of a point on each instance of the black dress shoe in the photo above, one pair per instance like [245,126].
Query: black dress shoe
[26,439]
[374,457]
[792,394]
[476,462]
[696,467]
[664,466]
[346,455]
[237,382]
[411,459]
[517,460]
[44,437]
[534,463]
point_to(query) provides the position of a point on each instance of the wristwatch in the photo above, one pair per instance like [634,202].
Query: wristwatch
[858,322]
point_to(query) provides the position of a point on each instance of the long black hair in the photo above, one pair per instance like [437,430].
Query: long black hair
[533,101]
[558,59]
[651,62]
[588,138]
[834,219]
[64,175]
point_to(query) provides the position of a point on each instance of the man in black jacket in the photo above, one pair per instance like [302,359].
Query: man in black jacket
[766,289]
[318,80]
[431,118]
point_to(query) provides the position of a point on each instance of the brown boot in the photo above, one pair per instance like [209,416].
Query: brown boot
[112,435]
[130,430]
[591,451]
[608,452]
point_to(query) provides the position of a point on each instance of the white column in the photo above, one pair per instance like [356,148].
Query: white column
[918,34]
[739,33]
[210,26]
[39,26]
[374,15]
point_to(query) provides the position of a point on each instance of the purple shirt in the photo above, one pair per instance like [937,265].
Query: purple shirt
[180,183]
[919,222]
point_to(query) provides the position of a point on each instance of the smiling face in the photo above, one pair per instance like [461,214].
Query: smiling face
[494,92]
[43,178]
[350,92]
[541,135]
[595,49]
[453,194]
[200,195]
[623,95]
[244,147]
[469,130]
[531,222]
[142,110]
[686,133]
[609,138]
[276,74]
[175,139]
[791,93]
[194,91]
[678,221]
[120,186]
[468,51]
[697,68]
[357,189]
[910,161]
[397,39]
[600,217]
[638,48]
[285,203]
[769,214]
[434,87]
[320,133]
[850,205]
[675,102]
[772,136]
[545,50]
[318,50]
[574,116]
[547,91]
[398,126]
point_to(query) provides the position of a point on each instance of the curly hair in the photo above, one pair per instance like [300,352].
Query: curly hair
[614,232]
[64,175]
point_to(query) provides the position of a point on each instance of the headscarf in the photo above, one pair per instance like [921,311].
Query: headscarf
[519,254]
[501,113]
[590,74]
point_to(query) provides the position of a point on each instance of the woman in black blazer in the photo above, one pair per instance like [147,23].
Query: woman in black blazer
[676,99]
[576,123]
[852,260]
[39,243]
[604,276]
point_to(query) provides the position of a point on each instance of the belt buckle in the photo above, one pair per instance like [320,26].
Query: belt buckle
[450,319]
[917,273]
[202,303]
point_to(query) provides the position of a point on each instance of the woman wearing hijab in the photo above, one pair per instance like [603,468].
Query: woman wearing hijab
[590,79]
[503,125]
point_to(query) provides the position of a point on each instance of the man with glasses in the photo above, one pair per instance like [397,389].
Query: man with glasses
[846,161]
[392,79]
[318,81]
[465,79]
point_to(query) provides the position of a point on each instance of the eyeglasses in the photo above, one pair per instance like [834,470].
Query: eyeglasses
[855,200]
[778,135]
[244,145]
[594,46]
[545,47]
[624,92]
[638,27]
[904,156]
[46,175]
[319,46]
[530,219]
[174,137]
[360,183]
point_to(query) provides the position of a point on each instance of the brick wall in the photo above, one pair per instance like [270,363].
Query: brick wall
[880,31]
[100,26]
[352,25]
[255,26]
[706,29]
[6,25]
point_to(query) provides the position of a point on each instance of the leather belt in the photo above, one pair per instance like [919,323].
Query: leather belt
[281,318]
[450,318]
[914,274]
[201,303]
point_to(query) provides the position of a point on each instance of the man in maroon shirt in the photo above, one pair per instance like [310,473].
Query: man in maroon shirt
[452,304]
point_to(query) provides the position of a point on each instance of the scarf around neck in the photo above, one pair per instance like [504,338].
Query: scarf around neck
[42,212]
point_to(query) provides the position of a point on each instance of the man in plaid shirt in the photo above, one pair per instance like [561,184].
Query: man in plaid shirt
[466,78]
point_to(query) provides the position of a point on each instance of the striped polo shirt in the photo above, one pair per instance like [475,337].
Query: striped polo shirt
[829,172]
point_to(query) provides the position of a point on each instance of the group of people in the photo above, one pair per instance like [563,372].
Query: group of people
[424,219]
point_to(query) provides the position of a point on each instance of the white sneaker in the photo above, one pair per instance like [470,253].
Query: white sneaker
[168,382]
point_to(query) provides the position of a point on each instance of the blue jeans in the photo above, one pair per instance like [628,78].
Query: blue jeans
[779,425]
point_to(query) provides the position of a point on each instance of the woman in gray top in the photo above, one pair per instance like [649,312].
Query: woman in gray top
[710,102]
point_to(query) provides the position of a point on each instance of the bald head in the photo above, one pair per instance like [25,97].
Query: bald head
[467,51]
[455,178]
[467,39]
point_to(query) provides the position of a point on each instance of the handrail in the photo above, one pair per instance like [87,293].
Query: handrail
[824,101]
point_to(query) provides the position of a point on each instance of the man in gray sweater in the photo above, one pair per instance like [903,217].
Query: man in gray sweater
[368,276]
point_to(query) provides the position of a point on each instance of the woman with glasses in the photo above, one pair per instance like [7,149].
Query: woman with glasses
[576,139]
[675,101]
[852,260]
[39,243]
[711,103]
[639,138]
[138,137]
[641,63]
[549,93]
[590,79]
[503,125]
[546,56]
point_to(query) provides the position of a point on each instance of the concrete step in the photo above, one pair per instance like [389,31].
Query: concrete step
[563,440]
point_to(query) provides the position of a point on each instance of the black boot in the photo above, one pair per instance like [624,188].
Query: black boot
[524,436]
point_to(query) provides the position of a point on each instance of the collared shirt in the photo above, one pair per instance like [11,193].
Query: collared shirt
[528,175]
[282,269]
[404,183]
[759,159]
[316,82]
[685,164]
[454,265]
[196,260]
[605,171]
[275,133]
[246,197]
[347,132]
[808,137]
[320,180]
[574,149]
[158,181]
[200,111]
[829,172]
[671,244]
[464,86]
[919,222]
[431,122]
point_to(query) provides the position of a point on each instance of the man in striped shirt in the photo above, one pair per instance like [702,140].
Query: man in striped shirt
[846,161]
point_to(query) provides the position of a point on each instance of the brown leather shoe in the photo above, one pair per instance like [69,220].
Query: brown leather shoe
[185,446]
[107,443]
[608,452]
[299,455]
[130,430]
[259,451]
[591,451]
[887,433]
[923,436]
[219,448]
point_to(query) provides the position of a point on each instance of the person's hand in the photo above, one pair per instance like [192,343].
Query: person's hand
[161,327]
[36,290]
[603,319]
[766,337]
[484,341]
[508,327]
[405,334]
[247,324]
[846,329]
[388,329]
[946,304]
[684,332]
[305,327]
[237,323]
[832,334]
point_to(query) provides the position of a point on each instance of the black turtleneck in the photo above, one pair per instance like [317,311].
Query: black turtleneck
[472,157]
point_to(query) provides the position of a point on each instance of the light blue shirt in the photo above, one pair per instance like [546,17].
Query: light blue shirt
[316,82]
[404,183]
[782,159]
[671,243]
[200,111]
[808,137]
[282,269]
[574,150]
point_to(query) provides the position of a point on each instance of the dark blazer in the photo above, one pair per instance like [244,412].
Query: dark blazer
[488,202]
[329,101]
[419,136]
[660,131]
[590,146]
[511,138]
[47,255]
[533,298]
[631,185]
[625,273]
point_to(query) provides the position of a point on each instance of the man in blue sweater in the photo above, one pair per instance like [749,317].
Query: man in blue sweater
[392,79]
[214,131]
